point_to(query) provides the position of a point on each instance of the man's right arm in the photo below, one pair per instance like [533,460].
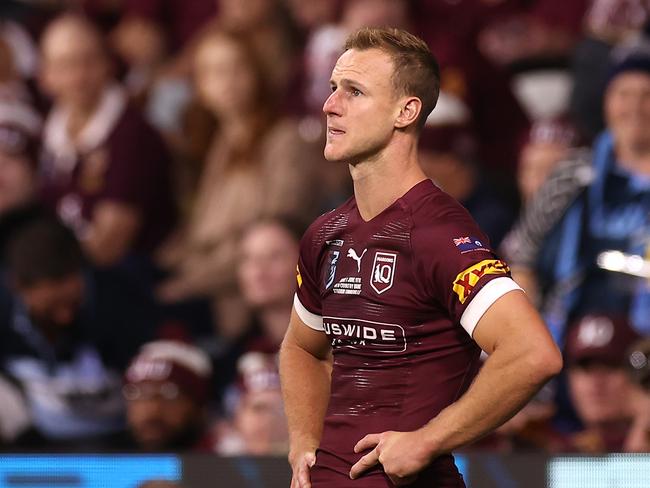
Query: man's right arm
[305,370]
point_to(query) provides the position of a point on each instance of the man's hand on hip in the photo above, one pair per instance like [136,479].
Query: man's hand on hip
[402,454]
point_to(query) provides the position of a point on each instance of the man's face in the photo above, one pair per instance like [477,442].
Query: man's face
[363,106]
[627,110]
[599,392]
[160,415]
[53,303]
[75,68]
[267,266]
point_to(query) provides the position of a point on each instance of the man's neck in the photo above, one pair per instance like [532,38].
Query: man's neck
[380,181]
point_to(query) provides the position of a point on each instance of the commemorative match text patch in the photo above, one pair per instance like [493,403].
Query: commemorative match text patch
[467,280]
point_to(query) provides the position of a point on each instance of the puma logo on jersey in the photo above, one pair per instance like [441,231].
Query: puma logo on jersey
[353,254]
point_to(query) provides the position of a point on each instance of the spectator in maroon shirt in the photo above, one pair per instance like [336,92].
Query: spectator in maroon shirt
[104,169]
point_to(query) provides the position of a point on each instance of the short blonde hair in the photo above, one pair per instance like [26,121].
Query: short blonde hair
[416,70]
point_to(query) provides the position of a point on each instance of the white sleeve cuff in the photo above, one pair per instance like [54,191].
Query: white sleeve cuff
[489,294]
[311,319]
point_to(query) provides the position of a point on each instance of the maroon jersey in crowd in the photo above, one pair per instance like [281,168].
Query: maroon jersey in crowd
[398,297]
[118,157]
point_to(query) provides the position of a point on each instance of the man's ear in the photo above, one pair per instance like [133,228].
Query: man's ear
[409,112]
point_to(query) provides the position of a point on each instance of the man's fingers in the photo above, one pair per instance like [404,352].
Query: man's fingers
[367,461]
[368,442]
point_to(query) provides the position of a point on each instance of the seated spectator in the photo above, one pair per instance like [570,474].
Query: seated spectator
[595,201]
[259,425]
[599,385]
[67,334]
[19,145]
[257,166]
[166,389]
[104,169]
[267,277]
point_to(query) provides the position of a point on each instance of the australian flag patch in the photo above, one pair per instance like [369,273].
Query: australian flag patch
[469,244]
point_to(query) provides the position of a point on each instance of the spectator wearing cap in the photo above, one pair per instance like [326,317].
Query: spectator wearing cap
[259,425]
[104,169]
[166,390]
[599,386]
[19,145]
[597,199]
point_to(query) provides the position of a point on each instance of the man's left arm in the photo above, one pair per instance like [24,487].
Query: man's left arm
[522,358]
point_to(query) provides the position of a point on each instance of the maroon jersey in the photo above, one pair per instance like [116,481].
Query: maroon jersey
[118,157]
[398,297]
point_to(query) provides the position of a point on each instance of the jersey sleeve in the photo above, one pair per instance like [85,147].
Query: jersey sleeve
[460,269]
[307,300]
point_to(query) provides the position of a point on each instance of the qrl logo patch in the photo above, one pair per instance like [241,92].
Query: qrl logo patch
[383,271]
[466,281]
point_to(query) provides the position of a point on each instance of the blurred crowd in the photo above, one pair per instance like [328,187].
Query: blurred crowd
[160,160]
